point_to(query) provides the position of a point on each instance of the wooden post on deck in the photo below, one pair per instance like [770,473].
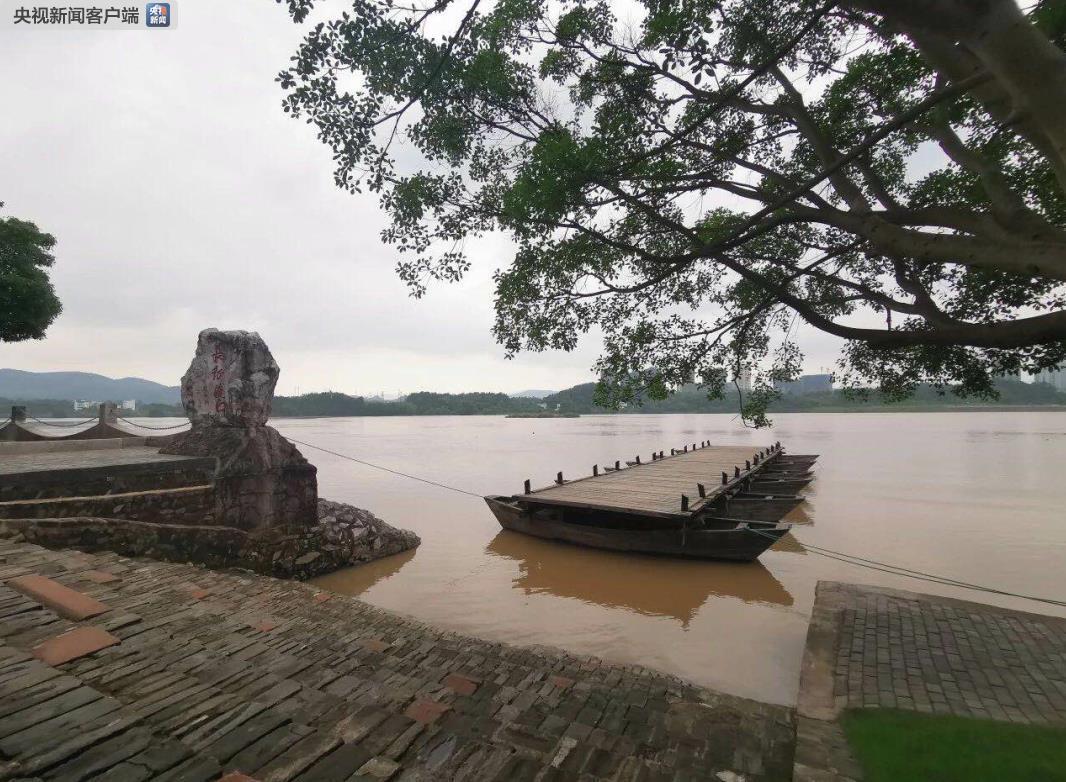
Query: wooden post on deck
[638,458]
[595,470]
[736,471]
[686,449]
[617,464]
[725,479]
[684,503]
[526,486]
[747,466]
[559,478]
[701,489]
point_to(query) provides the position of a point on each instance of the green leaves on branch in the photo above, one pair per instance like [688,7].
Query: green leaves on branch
[695,182]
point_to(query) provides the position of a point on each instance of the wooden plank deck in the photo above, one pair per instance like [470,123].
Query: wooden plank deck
[655,487]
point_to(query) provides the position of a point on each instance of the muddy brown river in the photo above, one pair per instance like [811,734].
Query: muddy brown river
[979,497]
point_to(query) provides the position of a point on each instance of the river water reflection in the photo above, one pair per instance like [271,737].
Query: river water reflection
[974,496]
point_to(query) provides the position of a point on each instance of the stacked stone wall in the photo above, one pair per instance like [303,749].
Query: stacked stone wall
[89,483]
[190,505]
[344,536]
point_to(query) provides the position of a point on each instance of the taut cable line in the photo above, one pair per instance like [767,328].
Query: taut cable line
[898,570]
[389,469]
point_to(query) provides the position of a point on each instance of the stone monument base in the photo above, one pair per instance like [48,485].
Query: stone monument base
[263,483]
[344,536]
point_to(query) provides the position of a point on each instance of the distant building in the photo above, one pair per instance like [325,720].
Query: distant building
[806,384]
[399,396]
[1053,377]
[129,404]
[743,380]
[84,404]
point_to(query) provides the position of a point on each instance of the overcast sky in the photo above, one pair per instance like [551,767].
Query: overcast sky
[182,197]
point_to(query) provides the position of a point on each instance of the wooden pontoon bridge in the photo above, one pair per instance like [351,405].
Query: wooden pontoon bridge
[714,502]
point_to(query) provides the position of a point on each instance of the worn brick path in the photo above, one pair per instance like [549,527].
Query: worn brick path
[884,648]
[950,657]
[215,673]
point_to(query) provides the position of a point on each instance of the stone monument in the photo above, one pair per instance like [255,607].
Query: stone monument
[261,510]
[264,485]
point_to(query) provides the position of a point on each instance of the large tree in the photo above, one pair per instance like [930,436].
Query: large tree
[28,302]
[693,176]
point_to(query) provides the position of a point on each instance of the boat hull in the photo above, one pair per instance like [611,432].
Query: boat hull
[777,486]
[738,544]
[751,507]
[782,465]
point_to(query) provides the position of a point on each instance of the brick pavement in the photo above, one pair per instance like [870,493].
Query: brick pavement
[882,648]
[218,673]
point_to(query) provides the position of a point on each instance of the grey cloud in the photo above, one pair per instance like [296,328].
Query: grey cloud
[183,197]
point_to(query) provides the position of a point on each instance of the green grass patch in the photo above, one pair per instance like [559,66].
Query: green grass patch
[892,746]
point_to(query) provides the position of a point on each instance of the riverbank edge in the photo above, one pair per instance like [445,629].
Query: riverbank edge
[345,536]
[771,411]
[883,409]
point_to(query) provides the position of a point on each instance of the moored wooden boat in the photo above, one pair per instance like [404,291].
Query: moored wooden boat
[731,540]
[806,459]
[777,486]
[753,507]
[693,503]
[799,465]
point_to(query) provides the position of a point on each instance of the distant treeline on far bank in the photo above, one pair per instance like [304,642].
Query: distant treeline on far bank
[580,400]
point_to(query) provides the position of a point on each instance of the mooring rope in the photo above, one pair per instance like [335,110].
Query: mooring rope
[389,469]
[154,428]
[60,426]
[899,570]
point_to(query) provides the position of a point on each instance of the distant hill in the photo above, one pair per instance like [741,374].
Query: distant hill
[690,399]
[16,384]
[532,393]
